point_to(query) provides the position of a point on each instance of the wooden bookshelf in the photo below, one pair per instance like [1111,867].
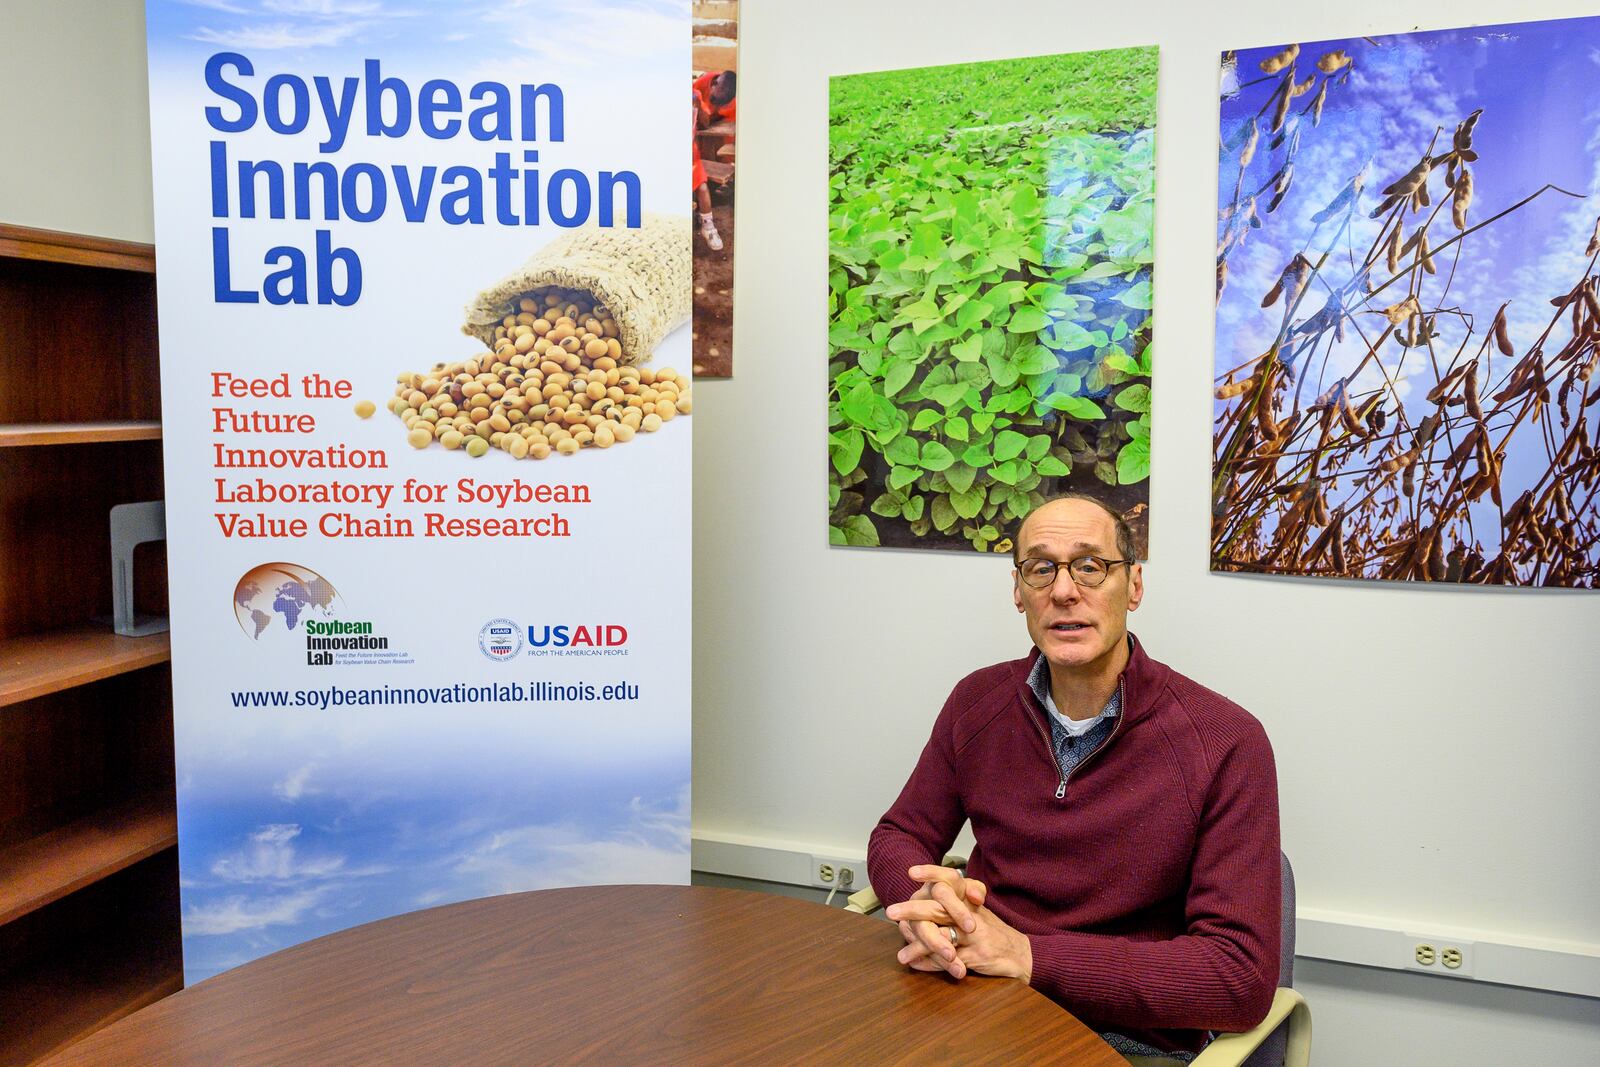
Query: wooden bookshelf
[46,868]
[89,959]
[91,998]
[36,664]
[25,434]
[89,927]
[76,249]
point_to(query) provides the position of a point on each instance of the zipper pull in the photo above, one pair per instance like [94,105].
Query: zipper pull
[1061,790]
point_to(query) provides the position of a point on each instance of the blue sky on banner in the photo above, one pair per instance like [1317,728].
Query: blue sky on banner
[558,35]
[325,847]
[1539,87]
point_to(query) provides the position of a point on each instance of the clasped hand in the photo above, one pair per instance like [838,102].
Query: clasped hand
[947,901]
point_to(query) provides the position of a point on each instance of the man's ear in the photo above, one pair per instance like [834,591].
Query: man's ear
[1135,586]
[1016,588]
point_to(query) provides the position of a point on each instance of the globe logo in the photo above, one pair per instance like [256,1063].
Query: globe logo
[280,594]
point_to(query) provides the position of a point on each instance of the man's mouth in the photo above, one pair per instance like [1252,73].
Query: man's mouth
[1069,627]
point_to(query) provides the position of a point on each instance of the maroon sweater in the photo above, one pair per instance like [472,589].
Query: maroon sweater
[1150,891]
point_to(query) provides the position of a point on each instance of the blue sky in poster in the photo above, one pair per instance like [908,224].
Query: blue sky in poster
[1538,85]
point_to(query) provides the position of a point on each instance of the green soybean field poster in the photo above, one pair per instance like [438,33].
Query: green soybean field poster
[989,295]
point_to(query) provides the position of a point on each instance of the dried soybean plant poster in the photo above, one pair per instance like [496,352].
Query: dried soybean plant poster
[1407,310]
[425,290]
[989,326]
[716,101]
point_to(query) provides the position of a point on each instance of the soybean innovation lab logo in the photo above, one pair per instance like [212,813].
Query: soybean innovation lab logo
[500,639]
[292,609]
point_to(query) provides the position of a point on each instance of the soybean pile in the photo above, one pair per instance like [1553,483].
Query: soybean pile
[557,381]
[989,295]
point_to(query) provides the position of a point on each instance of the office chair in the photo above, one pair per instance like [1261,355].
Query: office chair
[1282,1039]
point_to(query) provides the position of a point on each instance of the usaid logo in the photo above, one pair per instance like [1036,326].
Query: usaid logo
[500,639]
[599,639]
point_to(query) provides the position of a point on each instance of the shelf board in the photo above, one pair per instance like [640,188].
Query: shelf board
[23,434]
[46,868]
[63,1003]
[37,664]
[54,246]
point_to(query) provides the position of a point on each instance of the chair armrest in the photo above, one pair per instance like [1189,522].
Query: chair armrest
[1231,1050]
[865,901]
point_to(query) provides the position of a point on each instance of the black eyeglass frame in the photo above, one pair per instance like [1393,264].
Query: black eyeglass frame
[1056,566]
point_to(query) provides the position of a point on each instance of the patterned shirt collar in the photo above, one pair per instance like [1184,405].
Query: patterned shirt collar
[1039,682]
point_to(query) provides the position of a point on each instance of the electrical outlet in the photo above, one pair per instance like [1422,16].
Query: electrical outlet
[1456,956]
[1438,954]
[832,872]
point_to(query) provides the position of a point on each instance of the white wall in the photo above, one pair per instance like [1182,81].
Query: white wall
[75,117]
[1436,748]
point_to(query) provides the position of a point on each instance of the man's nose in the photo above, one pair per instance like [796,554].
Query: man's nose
[1064,589]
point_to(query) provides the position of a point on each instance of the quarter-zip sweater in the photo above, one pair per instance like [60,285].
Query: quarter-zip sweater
[1149,887]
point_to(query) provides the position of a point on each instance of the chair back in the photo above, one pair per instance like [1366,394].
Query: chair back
[1275,1049]
[1286,960]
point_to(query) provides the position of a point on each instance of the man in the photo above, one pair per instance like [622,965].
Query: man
[1126,818]
[716,101]
[702,186]
[717,91]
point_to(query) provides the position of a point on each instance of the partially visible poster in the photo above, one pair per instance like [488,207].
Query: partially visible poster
[716,101]
[1407,312]
[424,285]
[989,300]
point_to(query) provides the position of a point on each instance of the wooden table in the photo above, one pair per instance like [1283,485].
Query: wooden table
[611,975]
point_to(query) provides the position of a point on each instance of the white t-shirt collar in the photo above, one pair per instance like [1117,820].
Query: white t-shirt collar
[1079,727]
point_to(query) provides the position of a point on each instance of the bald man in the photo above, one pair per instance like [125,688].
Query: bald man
[1126,818]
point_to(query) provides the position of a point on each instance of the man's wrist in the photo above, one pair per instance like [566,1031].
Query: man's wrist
[1025,957]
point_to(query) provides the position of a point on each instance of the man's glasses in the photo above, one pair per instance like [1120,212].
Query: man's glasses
[1087,571]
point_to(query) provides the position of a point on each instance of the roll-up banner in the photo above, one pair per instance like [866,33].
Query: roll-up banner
[424,274]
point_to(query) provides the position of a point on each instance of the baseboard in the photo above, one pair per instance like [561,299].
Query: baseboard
[1496,956]
[765,861]
[1343,937]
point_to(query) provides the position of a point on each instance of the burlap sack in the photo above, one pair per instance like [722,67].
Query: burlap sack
[644,277]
